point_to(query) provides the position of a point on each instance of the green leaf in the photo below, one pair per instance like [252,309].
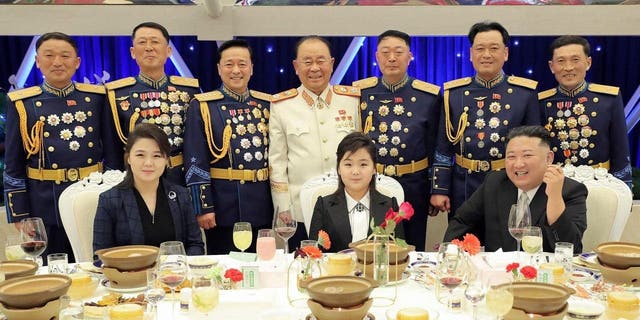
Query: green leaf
[372,224]
[401,243]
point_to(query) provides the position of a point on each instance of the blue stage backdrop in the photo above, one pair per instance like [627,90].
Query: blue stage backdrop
[436,60]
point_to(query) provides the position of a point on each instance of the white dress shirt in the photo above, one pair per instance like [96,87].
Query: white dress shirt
[359,220]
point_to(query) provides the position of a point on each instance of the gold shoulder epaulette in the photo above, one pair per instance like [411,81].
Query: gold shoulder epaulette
[457,83]
[209,96]
[284,95]
[547,93]
[92,88]
[124,82]
[24,93]
[523,82]
[346,90]
[425,86]
[366,83]
[601,88]
[260,95]
[182,81]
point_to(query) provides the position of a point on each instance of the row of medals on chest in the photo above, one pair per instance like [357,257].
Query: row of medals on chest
[395,126]
[153,110]
[68,118]
[242,119]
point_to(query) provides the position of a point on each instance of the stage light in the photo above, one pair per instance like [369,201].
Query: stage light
[459,55]
[375,64]
[516,42]
[530,71]
[191,48]
[281,70]
[269,49]
[599,48]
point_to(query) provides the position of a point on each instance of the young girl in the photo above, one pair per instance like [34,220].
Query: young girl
[345,214]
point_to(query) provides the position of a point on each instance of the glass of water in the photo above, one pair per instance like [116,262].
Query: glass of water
[57,263]
[563,255]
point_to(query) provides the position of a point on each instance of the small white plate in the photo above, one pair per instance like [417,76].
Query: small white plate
[584,309]
[392,312]
[105,283]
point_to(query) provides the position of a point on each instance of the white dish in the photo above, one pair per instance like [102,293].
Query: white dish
[105,283]
[369,316]
[392,312]
[584,309]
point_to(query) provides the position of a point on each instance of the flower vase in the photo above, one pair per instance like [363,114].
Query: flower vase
[228,284]
[381,259]
[309,269]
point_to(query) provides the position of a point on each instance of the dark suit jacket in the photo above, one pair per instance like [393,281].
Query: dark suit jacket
[330,214]
[488,208]
[117,221]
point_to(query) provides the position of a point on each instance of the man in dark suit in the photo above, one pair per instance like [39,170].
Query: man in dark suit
[558,204]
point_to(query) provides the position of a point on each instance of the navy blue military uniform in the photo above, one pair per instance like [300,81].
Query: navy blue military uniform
[54,138]
[588,127]
[226,165]
[477,116]
[402,120]
[140,99]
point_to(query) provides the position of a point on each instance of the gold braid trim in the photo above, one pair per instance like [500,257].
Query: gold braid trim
[208,130]
[462,122]
[32,142]
[132,121]
[116,119]
[368,124]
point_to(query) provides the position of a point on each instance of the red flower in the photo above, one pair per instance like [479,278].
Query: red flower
[406,211]
[529,272]
[312,252]
[387,217]
[470,244]
[324,240]
[234,274]
[513,266]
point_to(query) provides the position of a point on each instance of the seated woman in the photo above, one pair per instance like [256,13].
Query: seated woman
[145,208]
[346,213]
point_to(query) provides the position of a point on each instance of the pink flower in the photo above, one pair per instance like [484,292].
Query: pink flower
[406,211]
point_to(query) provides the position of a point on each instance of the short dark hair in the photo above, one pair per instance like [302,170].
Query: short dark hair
[567,40]
[395,34]
[152,25]
[57,36]
[531,132]
[142,131]
[307,38]
[352,143]
[485,26]
[233,44]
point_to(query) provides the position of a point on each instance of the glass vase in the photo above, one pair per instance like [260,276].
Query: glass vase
[381,259]
[308,269]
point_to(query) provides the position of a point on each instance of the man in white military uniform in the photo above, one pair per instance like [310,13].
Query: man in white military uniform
[305,128]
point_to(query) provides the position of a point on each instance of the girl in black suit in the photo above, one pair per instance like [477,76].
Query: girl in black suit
[346,213]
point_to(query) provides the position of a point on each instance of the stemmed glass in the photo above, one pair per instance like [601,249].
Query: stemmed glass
[475,291]
[532,241]
[172,266]
[154,292]
[516,228]
[12,248]
[499,300]
[33,237]
[204,294]
[285,226]
[451,268]
[242,235]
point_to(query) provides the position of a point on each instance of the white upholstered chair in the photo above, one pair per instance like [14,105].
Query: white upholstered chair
[78,204]
[328,183]
[608,204]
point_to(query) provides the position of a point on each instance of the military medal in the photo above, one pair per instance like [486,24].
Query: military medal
[560,123]
[241,129]
[383,139]
[67,118]
[66,134]
[398,109]
[143,105]
[572,122]
[124,105]
[163,95]
[574,134]
[564,145]
[396,126]
[258,155]
[584,153]
[251,128]
[53,120]
[562,135]
[479,123]
[586,132]
[164,107]
[167,130]
[578,108]
[383,127]
[583,120]
[256,141]
[494,137]
[495,107]
[480,104]
[393,152]
[494,122]
[494,152]
[173,96]
[177,130]
[245,143]
[395,140]
[256,113]
[74,145]
[583,142]
[481,136]
[184,96]
[383,110]
[382,151]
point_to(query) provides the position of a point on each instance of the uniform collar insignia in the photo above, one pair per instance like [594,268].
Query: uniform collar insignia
[58,92]
[396,86]
[153,83]
[310,98]
[575,91]
[240,97]
[490,83]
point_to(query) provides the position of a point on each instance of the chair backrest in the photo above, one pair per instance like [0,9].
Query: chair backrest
[78,204]
[608,204]
[328,183]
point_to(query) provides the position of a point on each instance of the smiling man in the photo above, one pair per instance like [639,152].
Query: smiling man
[226,168]
[586,120]
[307,124]
[401,116]
[478,113]
[150,97]
[54,137]
[557,204]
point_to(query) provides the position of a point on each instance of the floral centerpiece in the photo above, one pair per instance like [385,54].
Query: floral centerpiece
[309,257]
[391,220]
[228,279]
[527,273]
[470,244]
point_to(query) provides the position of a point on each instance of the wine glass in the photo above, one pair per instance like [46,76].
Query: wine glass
[475,291]
[266,244]
[532,241]
[12,248]
[154,292]
[33,237]
[451,268]
[285,226]
[242,235]
[172,266]
[516,228]
[204,294]
[499,299]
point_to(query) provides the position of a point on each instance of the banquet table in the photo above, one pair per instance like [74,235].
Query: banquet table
[273,300]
